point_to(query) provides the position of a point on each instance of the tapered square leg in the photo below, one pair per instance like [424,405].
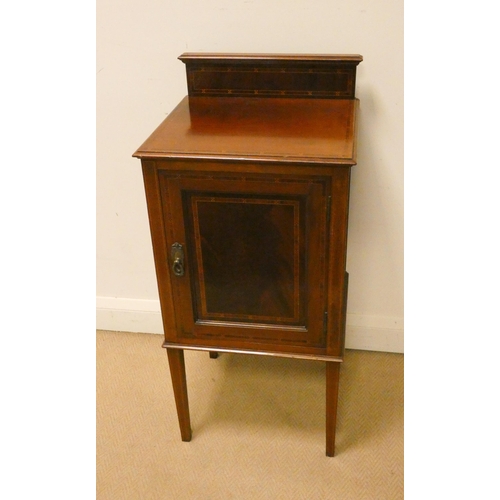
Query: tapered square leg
[178,374]
[332,392]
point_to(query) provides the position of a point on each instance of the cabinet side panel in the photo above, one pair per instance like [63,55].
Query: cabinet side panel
[337,257]
[157,225]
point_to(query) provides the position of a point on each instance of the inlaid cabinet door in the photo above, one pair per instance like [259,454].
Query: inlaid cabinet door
[247,257]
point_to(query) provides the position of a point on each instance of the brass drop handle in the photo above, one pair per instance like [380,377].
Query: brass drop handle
[177,254]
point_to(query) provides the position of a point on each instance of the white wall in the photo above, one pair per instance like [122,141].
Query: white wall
[140,80]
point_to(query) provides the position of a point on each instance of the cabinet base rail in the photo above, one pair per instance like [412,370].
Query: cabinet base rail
[279,354]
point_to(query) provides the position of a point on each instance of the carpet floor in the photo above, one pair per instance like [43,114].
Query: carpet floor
[258,426]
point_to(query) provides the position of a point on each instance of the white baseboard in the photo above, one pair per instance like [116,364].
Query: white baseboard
[364,332]
[374,333]
[128,315]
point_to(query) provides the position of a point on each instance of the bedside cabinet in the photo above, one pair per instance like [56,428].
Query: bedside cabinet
[247,188]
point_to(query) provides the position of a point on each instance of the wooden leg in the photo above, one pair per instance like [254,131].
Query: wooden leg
[332,392]
[178,374]
[214,354]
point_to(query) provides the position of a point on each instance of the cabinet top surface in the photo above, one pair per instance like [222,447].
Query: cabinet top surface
[266,129]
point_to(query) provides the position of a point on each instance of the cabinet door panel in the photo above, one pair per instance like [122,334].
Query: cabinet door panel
[253,249]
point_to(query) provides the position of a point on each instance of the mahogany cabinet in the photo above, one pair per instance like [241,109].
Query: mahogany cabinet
[247,187]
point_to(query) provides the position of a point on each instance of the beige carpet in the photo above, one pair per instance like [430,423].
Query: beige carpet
[258,426]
